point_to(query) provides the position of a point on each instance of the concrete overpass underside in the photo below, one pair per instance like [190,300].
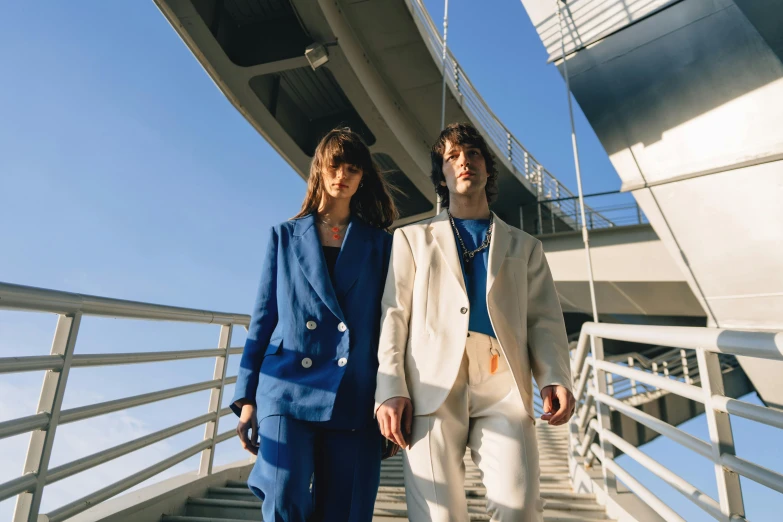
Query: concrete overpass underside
[382,79]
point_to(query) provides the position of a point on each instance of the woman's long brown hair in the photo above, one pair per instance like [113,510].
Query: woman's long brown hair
[372,202]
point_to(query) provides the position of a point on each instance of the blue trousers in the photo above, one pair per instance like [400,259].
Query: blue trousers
[344,466]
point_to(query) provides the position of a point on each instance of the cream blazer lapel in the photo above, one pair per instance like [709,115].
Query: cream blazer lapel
[498,247]
[440,228]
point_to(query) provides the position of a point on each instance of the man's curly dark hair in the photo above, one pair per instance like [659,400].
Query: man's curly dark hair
[461,134]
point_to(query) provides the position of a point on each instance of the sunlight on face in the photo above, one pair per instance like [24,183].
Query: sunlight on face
[464,169]
[341,181]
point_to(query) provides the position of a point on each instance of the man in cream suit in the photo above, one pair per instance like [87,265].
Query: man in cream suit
[469,314]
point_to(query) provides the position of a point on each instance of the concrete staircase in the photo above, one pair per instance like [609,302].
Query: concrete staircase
[234,502]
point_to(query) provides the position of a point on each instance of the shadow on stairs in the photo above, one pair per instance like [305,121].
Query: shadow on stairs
[234,502]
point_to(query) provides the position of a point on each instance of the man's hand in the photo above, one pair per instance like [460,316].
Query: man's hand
[559,404]
[392,416]
[248,422]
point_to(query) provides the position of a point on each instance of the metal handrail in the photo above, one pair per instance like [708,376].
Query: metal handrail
[20,297]
[508,148]
[55,362]
[709,345]
[71,307]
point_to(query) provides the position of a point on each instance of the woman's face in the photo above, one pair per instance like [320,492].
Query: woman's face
[341,181]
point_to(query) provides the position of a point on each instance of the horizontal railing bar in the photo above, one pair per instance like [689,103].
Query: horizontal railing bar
[765,345]
[225,436]
[31,363]
[689,391]
[93,410]
[55,362]
[99,496]
[762,414]
[753,471]
[19,297]
[18,485]
[109,359]
[634,485]
[41,420]
[664,428]
[90,461]
[690,491]
[21,425]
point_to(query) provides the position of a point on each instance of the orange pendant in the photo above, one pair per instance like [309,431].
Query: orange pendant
[336,236]
[335,229]
[493,363]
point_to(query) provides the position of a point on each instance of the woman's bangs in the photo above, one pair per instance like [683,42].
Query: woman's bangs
[344,149]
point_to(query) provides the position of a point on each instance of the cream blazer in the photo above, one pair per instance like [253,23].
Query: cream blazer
[425,312]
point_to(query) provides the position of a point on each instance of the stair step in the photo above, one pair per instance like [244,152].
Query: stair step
[236,493]
[219,508]
[186,518]
[549,515]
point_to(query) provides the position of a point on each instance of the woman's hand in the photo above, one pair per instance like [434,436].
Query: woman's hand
[248,422]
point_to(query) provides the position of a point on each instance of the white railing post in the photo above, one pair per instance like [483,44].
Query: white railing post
[456,79]
[527,165]
[215,401]
[633,381]
[685,372]
[508,148]
[539,195]
[41,441]
[604,415]
[721,436]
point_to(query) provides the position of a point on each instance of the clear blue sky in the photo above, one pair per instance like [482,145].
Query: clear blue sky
[125,173]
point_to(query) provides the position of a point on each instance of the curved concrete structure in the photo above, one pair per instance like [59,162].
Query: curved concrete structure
[382,76]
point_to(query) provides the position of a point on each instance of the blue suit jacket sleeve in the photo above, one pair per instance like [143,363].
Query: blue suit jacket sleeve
[262,323]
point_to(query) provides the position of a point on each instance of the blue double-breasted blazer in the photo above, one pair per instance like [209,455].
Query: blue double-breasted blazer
[312,346]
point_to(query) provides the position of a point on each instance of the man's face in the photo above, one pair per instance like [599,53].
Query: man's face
[464,169]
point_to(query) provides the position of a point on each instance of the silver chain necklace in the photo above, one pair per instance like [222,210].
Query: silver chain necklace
[467,255]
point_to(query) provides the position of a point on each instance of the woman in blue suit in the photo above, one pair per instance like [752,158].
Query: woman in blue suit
[306,383]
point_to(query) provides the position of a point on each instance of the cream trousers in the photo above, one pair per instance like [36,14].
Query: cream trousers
[485,413]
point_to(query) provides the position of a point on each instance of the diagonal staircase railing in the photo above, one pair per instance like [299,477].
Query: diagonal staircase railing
[594,405]
[70,308]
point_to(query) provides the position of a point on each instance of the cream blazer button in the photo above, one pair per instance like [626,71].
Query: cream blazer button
[463,310]
[342,327]
[342,361]
[311,325]
[307,362]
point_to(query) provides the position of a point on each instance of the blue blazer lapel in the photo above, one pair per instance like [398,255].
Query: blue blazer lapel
[309,253]
[353,256]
